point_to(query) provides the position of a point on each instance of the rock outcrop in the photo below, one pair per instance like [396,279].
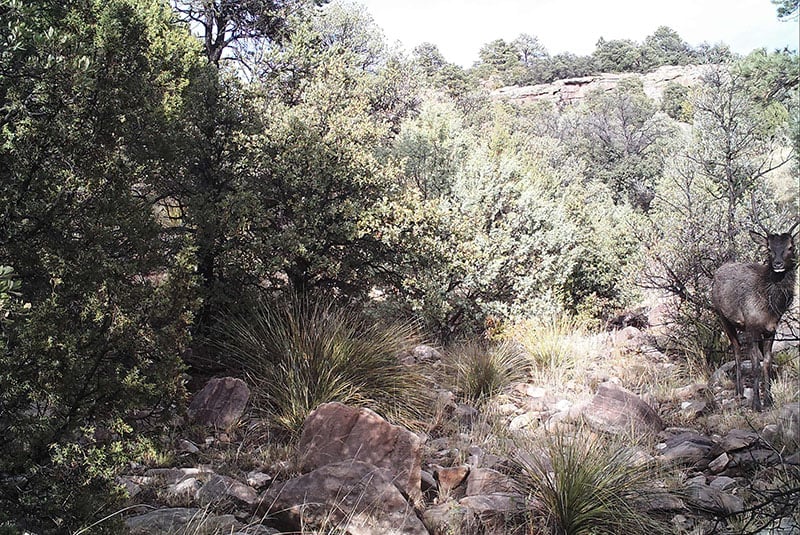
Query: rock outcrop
[574,90]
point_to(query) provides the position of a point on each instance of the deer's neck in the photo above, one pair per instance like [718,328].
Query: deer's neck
[780,289]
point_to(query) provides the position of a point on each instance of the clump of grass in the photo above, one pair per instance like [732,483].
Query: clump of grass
[479,371]
[301,353]
[586,485]
[549,342]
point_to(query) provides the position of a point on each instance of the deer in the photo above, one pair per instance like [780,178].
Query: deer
[751,298]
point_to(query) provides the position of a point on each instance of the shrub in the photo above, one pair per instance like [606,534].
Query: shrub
[480,371]
[301,353]
[546,341]
[587,486]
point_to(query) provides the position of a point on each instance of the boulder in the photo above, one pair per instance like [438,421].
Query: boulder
[354,496]
[223,489]
[713,500]
[180,520]
[617,410]
[220,403]
[481,481]
[492,514]
[335,432]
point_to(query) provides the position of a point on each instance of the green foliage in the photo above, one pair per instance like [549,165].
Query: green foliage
[787,9]
[675,102]
[9,288]
[108,302]
[301,353]
[587,486]
[509,229]
[618,55]
[665,47]
[479,371]
[623,141]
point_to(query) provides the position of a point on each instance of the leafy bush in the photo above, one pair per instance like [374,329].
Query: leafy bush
[301,353]
[587,486]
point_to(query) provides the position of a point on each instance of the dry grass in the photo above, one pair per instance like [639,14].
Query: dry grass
[300,354]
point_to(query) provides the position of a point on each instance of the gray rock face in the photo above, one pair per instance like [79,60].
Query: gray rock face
[574,90]
[335,432]
[353,496]
[220,403]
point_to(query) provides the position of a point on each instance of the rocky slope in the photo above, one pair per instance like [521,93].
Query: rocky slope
[352,472]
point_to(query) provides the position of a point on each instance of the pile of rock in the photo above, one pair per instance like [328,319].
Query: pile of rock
[360,474]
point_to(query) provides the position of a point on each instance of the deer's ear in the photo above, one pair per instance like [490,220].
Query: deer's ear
[758,238]
[791,231]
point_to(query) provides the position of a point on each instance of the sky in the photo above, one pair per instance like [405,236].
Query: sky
[460,28]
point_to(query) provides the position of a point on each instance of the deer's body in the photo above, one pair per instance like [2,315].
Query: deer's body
[752,298]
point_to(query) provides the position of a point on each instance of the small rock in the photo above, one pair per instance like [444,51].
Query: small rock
[685,453]
[526,420]
[450,478]
[719,463]
[693,409]
[616,410]
[737,439]
[722,482]
[714,500]
[187,446]
[182,491]
[258,480]
[487,481]
[180,520]
[131,488]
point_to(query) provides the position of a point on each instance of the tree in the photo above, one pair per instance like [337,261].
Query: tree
[735,146]
[675,102]
[440,73]
[226,23]
[618,55]
[529,49]
[501,60]
[208,187]
[665,47]
[622,140]
[315,176]
[704,199]
[787,9]
[88,89]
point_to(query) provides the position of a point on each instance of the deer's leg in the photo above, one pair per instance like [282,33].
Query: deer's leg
[755,359]
[730,330]
[767,364]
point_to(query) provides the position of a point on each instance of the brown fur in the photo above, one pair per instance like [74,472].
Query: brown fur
[752,298]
